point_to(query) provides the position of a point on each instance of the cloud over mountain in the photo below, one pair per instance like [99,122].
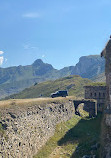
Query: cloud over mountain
[1,60]
[1,52]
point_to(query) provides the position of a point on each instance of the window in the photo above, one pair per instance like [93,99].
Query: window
[90,94]
[95,94]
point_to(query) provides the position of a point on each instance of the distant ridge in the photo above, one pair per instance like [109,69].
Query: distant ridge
[73,84]
[15,79]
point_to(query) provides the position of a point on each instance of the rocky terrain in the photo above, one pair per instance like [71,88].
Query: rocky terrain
[89,66]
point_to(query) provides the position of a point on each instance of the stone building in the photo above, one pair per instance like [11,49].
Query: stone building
[97,93]
[106,128]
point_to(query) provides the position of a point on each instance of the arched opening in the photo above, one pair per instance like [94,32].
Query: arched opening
[87,105]
[79,109]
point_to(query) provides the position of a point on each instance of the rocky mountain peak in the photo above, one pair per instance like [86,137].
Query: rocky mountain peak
[38,62]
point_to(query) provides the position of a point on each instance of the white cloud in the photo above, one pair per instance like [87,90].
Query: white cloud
[1,52]
[43,56]
[1,60]
[29,46]
[31,15]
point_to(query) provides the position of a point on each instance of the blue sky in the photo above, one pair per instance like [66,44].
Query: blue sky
[57,31]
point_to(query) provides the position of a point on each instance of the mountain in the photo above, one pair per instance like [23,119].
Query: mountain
[15,79]
[100,78]
[73,84]
[88,66]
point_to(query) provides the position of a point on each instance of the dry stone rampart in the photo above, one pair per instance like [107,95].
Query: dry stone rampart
[27,128]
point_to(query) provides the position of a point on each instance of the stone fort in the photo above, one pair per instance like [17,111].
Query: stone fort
[97,92]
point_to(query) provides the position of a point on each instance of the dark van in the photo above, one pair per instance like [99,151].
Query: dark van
[59,94]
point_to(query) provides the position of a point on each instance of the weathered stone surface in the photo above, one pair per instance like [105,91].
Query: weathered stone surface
[97,93]
[29,127]
[90,106]
[106,150]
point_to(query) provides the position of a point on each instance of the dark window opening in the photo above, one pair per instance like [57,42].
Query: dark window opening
[91,94]
[95,94]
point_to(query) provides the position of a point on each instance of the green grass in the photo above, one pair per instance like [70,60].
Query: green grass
[96,84]
[73,84]
[73,138]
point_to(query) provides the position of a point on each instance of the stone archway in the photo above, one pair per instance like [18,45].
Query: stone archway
[90,106]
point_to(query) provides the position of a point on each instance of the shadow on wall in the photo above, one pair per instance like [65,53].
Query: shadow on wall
[86,134]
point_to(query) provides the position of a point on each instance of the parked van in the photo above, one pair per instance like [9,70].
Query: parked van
[59,94]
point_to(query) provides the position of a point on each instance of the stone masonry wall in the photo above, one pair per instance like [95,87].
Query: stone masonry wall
[27,128]
[106,129]
[98,93]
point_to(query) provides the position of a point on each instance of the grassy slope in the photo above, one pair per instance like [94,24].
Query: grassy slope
[73,139]
[96,84]
[74,85]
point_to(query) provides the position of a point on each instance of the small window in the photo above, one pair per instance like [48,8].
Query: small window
[95,94]
[90,94]
[99,95]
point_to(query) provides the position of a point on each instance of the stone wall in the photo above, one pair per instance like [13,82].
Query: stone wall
[27,128]
[106,124]
[98,93]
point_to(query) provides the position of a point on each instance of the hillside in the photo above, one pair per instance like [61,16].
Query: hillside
[74,85]
[100,78]
[17,78]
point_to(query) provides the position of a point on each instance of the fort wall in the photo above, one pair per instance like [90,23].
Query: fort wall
[27,128]
[106,124]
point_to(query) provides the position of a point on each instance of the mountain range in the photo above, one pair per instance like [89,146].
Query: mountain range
[15,79]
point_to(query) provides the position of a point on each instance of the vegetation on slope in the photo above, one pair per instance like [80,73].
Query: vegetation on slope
[96,84]
[75,138]
[15,79]
[73,84]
